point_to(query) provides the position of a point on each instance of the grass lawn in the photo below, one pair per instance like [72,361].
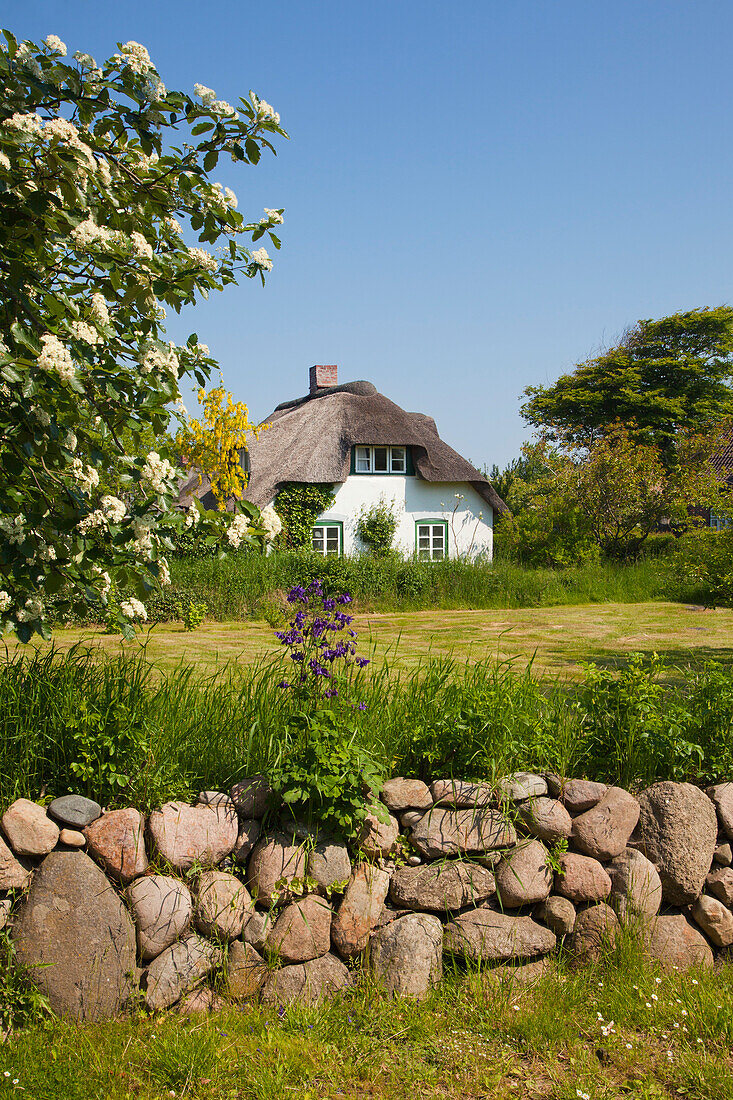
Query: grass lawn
[597,1034]
[558,638]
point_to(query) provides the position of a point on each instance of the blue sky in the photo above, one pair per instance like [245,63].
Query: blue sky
[477,194]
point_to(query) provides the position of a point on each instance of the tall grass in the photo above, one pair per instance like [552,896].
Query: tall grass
[242,585]
[119,730]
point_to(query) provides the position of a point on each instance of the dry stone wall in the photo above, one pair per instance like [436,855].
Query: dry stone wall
[106,906]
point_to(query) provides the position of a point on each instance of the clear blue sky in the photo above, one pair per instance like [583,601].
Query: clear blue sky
[477,194]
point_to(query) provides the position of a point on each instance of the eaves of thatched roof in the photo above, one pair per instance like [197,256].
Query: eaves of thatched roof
[310,440]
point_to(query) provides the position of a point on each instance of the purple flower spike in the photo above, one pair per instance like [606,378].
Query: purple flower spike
[362,662]
[346,598]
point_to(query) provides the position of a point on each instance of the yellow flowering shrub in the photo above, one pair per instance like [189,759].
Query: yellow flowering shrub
[214,444]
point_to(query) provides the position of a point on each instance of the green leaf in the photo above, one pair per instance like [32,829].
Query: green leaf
[26,337]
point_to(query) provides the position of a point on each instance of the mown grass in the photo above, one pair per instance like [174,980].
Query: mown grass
[615,1031]
[556,640]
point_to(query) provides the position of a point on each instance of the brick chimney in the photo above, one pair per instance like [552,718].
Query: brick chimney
[323,377]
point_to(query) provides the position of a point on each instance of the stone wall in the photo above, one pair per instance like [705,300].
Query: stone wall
[109,906]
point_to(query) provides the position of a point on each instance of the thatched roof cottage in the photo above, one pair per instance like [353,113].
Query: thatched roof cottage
[369,449]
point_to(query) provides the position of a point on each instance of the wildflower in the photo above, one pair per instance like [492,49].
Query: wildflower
[55,44]
[628,1046]
[55,358]
[362,662]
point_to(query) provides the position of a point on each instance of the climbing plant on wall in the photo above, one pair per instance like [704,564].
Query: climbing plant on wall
[299,504]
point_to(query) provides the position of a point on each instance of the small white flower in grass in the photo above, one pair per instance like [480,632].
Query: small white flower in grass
[261,258]
[133,609]
[648,1004]
[684,1012]
[658,981]
[628,1046]
[582,1095]
[655,997]
[608,1028]
[54,43]
[517,1008]
[6,1073]
[695,981]
[669,1055]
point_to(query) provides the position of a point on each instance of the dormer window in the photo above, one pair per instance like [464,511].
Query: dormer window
[381,460]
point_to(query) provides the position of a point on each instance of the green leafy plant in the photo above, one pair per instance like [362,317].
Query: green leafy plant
[191,615]
[299,504]
[326,776]
[376,526]
[21,1002]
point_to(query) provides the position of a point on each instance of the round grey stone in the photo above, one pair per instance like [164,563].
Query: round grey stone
[74,810]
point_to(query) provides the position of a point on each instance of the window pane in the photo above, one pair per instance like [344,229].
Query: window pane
[318,540]
[332,540]
[398,460]
[437,554]
[380,460]
[438,537]
[423,544]
[363,463]
[424,555]
[423,531]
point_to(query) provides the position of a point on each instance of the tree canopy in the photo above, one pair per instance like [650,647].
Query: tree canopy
[663,377]
[108,216]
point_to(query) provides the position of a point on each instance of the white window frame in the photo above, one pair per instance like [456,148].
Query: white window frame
[325,527]
[429,552]
[365,462]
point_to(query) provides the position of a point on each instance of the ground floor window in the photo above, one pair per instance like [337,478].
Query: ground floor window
[719,523]
[431,537]
[328,538]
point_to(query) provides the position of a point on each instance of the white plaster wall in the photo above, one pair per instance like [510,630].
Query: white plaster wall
[470,519]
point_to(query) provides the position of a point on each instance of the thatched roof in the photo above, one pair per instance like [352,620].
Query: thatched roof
[310,440]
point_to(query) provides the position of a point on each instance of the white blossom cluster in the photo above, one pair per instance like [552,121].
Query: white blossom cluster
[133,609]
[142,544]
[219,106]
[28,125]
[142,248]
[264,111]
[106,580]
[55,44]
[13,529]
[5,601]
[136,57]
[23,57]
[98,307]
[164,573]
[80,330]
[192,516]
[55,358]
[272,217]
[41,416]
[86,477]
[4,162]
[271,522]
[88,233]
[260,257]
[158,472]
[224,196]
[173,224]
[113,510]
[157,358]
[45,552]
[201,258]
[237,530]
[32,609]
